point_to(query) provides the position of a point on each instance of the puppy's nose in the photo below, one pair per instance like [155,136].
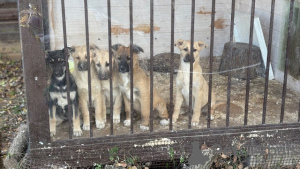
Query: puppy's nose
[122,68]
[188,59]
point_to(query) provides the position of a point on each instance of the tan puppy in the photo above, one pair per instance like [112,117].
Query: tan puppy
[141,86]
[101,60]
[80,74]
[200,86]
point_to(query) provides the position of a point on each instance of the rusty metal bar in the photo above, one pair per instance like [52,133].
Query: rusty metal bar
[151,65]
[70,109]
[268,62]
[89,65]
[287,56]
[131,65]
[171,108]
[111,101]
[229,66]
[211,55]
[191,65]
[248,70]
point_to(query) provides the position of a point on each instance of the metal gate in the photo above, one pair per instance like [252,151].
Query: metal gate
[149,146]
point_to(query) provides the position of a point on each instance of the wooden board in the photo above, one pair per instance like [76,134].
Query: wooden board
[141,23]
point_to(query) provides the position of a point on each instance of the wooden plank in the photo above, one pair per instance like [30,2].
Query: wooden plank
[8,14]
[35,76]
[4,4]
[141,10]
[148,147]
[10,36]
[9,26]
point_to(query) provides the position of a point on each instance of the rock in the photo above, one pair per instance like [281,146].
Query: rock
[237,61]
[161,62]
[18,148]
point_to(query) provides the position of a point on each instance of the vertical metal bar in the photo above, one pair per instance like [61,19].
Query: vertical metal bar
[172,66]
[46,25]
[248,70]
[89,65]
[110,70]
[70,109]
[151,65]
[212,38]
[191,65]
[229,66]
[268,62]
[299,112]
[287,59]
[131,65]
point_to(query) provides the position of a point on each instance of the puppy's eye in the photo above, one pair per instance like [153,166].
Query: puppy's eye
[195,50]
[77,58]
[128,58]
[119,58]
[98,64]
[106,64]
[185,49]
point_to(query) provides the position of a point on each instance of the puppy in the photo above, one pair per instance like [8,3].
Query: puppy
[101,61]
[58,93]
[80,74]
[200,86]
[141,86]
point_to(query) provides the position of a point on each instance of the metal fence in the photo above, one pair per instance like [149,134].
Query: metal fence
[83,152]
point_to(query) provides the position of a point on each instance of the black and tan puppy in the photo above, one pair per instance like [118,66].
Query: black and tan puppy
[200,86]
[58,93]
[141,86]
[80,73]
[101,60]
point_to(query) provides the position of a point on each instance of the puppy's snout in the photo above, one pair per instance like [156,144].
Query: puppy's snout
[82,66]
[103,76]
[187,58]
[123,67]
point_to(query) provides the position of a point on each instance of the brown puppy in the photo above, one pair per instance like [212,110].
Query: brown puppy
[101,60]
[141,86]
[200,86]
[80,74]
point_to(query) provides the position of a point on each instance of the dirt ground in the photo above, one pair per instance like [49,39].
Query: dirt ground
[12,101]
[237,106]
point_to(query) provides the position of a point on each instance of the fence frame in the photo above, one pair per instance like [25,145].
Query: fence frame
[87,151]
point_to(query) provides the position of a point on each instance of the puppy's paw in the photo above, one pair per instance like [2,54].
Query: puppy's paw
[194,123]
[100,124]
[77,133]
[211,117]
[164,122]
[116,120]
[174,119]
[86,127]
[127,123]
[144,128]
[52,133]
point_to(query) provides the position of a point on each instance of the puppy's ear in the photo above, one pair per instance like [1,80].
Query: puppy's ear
[178,43]
[116,47]
[72,49]
[202,44]
[94,47]
[136,49]
[47,52]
